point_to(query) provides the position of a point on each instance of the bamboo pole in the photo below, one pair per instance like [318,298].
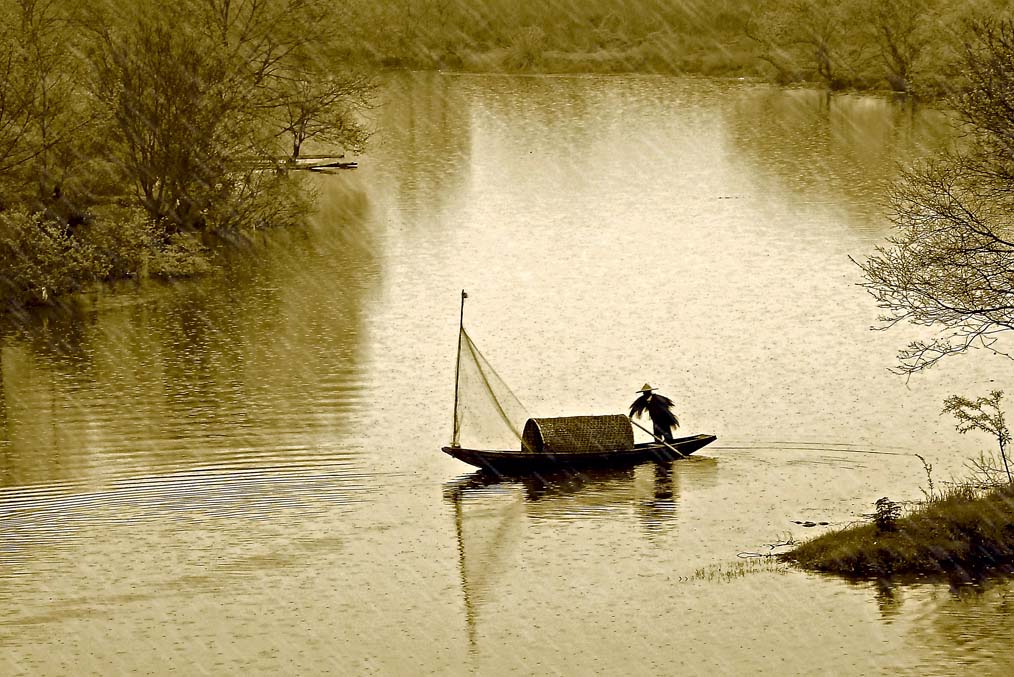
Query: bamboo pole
[658,439]
[457,370]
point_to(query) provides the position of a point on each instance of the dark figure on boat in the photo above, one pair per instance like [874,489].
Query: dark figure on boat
[659,408]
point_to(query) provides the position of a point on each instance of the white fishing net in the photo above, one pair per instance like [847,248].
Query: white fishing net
[488,415]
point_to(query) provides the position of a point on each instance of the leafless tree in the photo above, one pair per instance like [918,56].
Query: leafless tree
[825,36]
[195,90]
[16,103]
[38,114]
[950,265]
[902,30]
[324,106]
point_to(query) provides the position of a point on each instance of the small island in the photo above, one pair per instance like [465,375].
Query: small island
[965,533]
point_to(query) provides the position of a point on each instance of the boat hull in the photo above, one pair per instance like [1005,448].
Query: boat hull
[510,461]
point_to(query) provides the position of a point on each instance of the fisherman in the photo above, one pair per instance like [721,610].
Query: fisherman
[659,408]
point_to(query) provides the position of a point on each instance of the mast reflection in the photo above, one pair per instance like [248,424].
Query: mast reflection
[492,513]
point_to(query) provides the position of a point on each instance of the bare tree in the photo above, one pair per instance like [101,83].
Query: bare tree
[324,107]
[36,91]
[822,36]
[170,106]
[61,115]
[195,92]
[16,102]
[950,265]
[902,30]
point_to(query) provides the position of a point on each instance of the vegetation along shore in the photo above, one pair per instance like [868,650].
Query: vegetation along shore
[131,135]
[964,533]
[908,46]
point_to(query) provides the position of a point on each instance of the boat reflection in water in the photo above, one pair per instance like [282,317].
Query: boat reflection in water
[492,513]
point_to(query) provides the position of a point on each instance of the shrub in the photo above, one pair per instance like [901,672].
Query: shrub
[41,259]
[182,256]
[121,237]
[129,244]
[526,48]
[887,514]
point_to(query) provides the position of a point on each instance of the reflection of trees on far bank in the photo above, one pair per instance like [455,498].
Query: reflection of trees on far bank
[43,362]
[251,360]
[423,142]
[824,147]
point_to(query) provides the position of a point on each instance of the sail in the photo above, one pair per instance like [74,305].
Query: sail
[487,414]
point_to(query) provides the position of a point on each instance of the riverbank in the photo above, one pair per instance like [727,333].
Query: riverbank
[738,61]
[965,533]
[736,57]
[906,50]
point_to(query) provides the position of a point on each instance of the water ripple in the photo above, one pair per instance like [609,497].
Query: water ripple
[56,514]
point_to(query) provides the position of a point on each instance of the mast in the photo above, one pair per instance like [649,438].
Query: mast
[457,369]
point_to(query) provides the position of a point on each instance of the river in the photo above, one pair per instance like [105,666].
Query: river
[241,474]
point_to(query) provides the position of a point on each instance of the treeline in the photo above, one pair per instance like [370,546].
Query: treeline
[904,45]
[130,130]
[559,35]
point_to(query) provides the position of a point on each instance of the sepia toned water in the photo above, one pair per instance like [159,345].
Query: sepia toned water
[241,474]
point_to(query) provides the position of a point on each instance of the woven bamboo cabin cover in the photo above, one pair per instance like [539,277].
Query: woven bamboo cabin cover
[578,434]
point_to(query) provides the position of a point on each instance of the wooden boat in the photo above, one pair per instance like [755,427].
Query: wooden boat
[520,461]
[561,442]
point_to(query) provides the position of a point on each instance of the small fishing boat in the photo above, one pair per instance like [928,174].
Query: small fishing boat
[547,443]
[519,461]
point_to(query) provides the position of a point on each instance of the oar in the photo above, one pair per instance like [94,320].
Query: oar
[658,439]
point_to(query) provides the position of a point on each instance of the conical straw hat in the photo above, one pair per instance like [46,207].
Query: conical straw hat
[645,388]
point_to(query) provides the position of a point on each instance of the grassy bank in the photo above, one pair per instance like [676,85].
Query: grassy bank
[910,46]
[965,533]
[530,52]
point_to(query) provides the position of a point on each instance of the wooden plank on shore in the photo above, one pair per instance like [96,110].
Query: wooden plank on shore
[303,162]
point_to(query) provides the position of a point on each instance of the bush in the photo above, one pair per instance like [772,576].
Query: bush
[129,244]
[41,259]
[886,516]
[181,256]
[526,48]
[121,237]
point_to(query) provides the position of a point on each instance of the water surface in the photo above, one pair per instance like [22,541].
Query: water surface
[242,473]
